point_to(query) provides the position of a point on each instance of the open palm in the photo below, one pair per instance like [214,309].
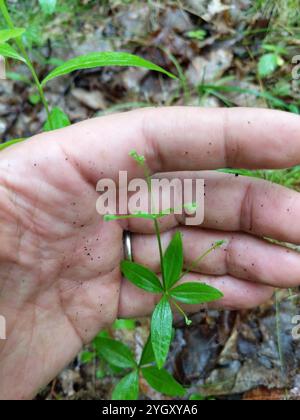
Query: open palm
[60,281]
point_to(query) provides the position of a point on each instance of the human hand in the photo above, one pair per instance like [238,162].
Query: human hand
[60,281]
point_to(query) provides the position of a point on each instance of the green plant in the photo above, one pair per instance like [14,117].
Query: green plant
[219,91]
[48,6]
[271,60]
[199,35]
[56,117]
[171,294]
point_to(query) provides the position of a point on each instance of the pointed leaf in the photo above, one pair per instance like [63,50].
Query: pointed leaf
[87,357]
[195,293]
[173,260]
[124,324]
[128,388]
[148,354]
[141,277]
[115,353]
[7,34]
[9,52]
[103,59]
[57,119]
[162,381]
[161,331]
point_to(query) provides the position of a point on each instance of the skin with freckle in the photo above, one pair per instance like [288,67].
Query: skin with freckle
[60,280]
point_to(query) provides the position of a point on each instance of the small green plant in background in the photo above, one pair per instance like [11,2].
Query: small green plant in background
[48,6]
[170,294]
[199,35]
[227,85]
[271,61]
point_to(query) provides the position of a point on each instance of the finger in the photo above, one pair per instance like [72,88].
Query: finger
[240,204]
[242,256]
[238,295]
[177,138]
[193,138]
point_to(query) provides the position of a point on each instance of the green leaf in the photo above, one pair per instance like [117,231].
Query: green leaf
[87,357]
[17,77]
[173,261]
[115,352]
[128,388]
[10,143]
[199,34]
[124,324]
[7,34]
[102,334]
[294,109]
[34,99]
[162,381]
[9,52]
[278,49]
[57,119]
[33,37]
[148,354]
[48,6]
[268,63]
[161,331]
[140,159]
[199,397]
[102,59]
[141,277]
[100,373]
[195,293]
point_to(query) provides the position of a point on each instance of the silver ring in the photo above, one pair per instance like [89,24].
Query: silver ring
[127,246]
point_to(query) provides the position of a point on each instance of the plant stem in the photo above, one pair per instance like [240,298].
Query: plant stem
[181,311]
[29,64]
[161,254]
[156,226]
[182,77]
[198,260]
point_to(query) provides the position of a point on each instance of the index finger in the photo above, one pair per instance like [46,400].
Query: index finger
[182,139]
[193,138]
[187,138]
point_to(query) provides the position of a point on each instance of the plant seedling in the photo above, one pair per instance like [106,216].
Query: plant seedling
[172,293]
[271,60]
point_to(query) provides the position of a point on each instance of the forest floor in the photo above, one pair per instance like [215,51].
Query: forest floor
[227,53]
